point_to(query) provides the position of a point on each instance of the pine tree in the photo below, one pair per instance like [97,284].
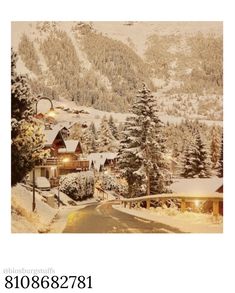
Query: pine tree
[93,129]
[127,156]
[142,153]
[26,134]
[88,140]
[221,160]
[202,159]
[113,127]
[215,147]
[196,161]
[188,163]
[106,141]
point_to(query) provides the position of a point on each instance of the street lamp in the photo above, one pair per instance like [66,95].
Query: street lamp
[50,114]
[51,110]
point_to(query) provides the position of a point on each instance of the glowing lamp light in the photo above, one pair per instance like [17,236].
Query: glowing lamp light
[51,112]
[65,160]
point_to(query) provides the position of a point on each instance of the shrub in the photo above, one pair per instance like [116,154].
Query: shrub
[78,186]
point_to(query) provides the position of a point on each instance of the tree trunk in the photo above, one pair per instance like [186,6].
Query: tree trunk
[148,183]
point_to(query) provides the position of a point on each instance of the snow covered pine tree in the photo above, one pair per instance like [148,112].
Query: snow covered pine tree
[106,141]
[221,159]
[26,134]
[89,140]
[142,154]
[113,127]
[215,147]
[196,161]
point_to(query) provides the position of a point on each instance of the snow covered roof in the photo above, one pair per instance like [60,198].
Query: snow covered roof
[110,156]
[71,146]
[197,185]
[99,159]
[50,135]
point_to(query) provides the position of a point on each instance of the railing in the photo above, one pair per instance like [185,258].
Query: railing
[102,194]
[73,164]
[216,198]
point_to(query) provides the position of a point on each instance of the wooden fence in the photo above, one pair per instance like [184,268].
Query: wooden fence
[216,198]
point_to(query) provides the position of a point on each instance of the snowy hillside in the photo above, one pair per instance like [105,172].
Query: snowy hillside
[65,109]
[135,33]
[103,64]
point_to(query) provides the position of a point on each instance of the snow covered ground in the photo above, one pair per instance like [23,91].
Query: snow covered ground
[46,218]
[94,115]
[23,219]
[188,222]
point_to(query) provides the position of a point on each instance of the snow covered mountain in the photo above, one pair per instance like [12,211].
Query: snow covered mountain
[103,64]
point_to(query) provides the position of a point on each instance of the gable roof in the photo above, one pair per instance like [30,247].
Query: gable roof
[51,135]
[71,145]
[99,159]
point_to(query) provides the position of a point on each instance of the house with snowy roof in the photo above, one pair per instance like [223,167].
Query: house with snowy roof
[72,157]
[64,128]
[53,140]
[210,187]
[102,161]
[110,161]
[64,157]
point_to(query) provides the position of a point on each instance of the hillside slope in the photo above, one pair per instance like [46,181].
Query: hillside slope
[102,64]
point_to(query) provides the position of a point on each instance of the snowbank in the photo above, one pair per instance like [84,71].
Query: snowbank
[23,219]
[46,218]
[188,222]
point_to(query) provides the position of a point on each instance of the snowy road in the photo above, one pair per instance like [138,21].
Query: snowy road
[102,218]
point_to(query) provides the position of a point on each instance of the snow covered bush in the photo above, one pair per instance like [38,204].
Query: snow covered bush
[78,186]
[110,182]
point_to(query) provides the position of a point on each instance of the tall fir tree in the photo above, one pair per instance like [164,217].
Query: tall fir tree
[93,129]
[215,147]
[188,163]
[106,142]
[221,159]
[196,161]
[88,140]
[142,155]
[113,127]
[26,133]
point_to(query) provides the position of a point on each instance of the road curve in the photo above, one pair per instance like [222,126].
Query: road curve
[103,218]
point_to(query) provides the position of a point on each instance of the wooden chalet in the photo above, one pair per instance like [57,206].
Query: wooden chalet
[71,157]
[102,161]
[64,157]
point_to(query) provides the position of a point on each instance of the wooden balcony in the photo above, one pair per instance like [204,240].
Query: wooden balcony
[74,165]
[81,165]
